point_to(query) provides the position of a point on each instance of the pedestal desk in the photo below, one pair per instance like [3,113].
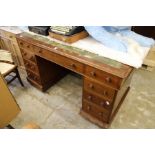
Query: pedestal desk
[105,81]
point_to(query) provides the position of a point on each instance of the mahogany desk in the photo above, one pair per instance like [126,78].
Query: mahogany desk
[105,81]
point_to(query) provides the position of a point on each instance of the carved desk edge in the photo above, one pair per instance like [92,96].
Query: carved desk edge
[121,72]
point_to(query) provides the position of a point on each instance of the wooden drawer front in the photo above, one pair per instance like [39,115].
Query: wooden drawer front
[103,103]
[28,55]
[104,77]
[25,45]
[33,77]
[70,64]
[30,66]
[60,60]
[100,89]
[94,111]
[44,53]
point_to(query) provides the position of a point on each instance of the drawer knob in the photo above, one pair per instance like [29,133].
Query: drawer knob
[73,65]
[107,103]
[26,63]
[40,51]
[32,67]
[105,93]
[100,113]
[93,73]
[35,78]
[32,58]
[55,48]
[90,97]
[88,108]
[28,46]
[21,43]
[91,86]
[108,79]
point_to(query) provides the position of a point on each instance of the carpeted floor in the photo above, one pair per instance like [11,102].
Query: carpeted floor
[59,107]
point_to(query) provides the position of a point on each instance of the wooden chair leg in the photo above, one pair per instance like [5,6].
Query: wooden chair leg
[19,78]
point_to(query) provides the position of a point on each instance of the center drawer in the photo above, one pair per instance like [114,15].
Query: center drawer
[60,60]
[70,64]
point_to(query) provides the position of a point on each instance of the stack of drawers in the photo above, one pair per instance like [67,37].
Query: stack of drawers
[101,96]
[30,62]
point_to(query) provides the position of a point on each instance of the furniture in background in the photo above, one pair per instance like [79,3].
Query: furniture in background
[7,67]
[8,42]
[148,31]
[9,109]
[105,82]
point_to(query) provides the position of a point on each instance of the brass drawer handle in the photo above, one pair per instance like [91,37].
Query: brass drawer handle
[91,86]
[108,79]
[32,58]
[73,65]
[88,108]
[25,54]
[28,74]
[55,48]
[28,46]
[105,93]
[107,103]
[40,51]
[27,64]
[100,114]
[93,73]
[32,67]
[90,97]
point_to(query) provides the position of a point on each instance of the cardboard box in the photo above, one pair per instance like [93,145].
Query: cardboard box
[8,106]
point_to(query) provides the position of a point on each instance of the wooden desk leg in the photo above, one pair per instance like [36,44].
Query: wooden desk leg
[10,126]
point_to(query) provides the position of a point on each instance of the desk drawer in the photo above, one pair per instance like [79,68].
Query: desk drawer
[95,111]
[60,60]
[33,77]
[69,64]
[28,55]
[103,103]
[25,45]
[106,78]
[30,66]
[99,89]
